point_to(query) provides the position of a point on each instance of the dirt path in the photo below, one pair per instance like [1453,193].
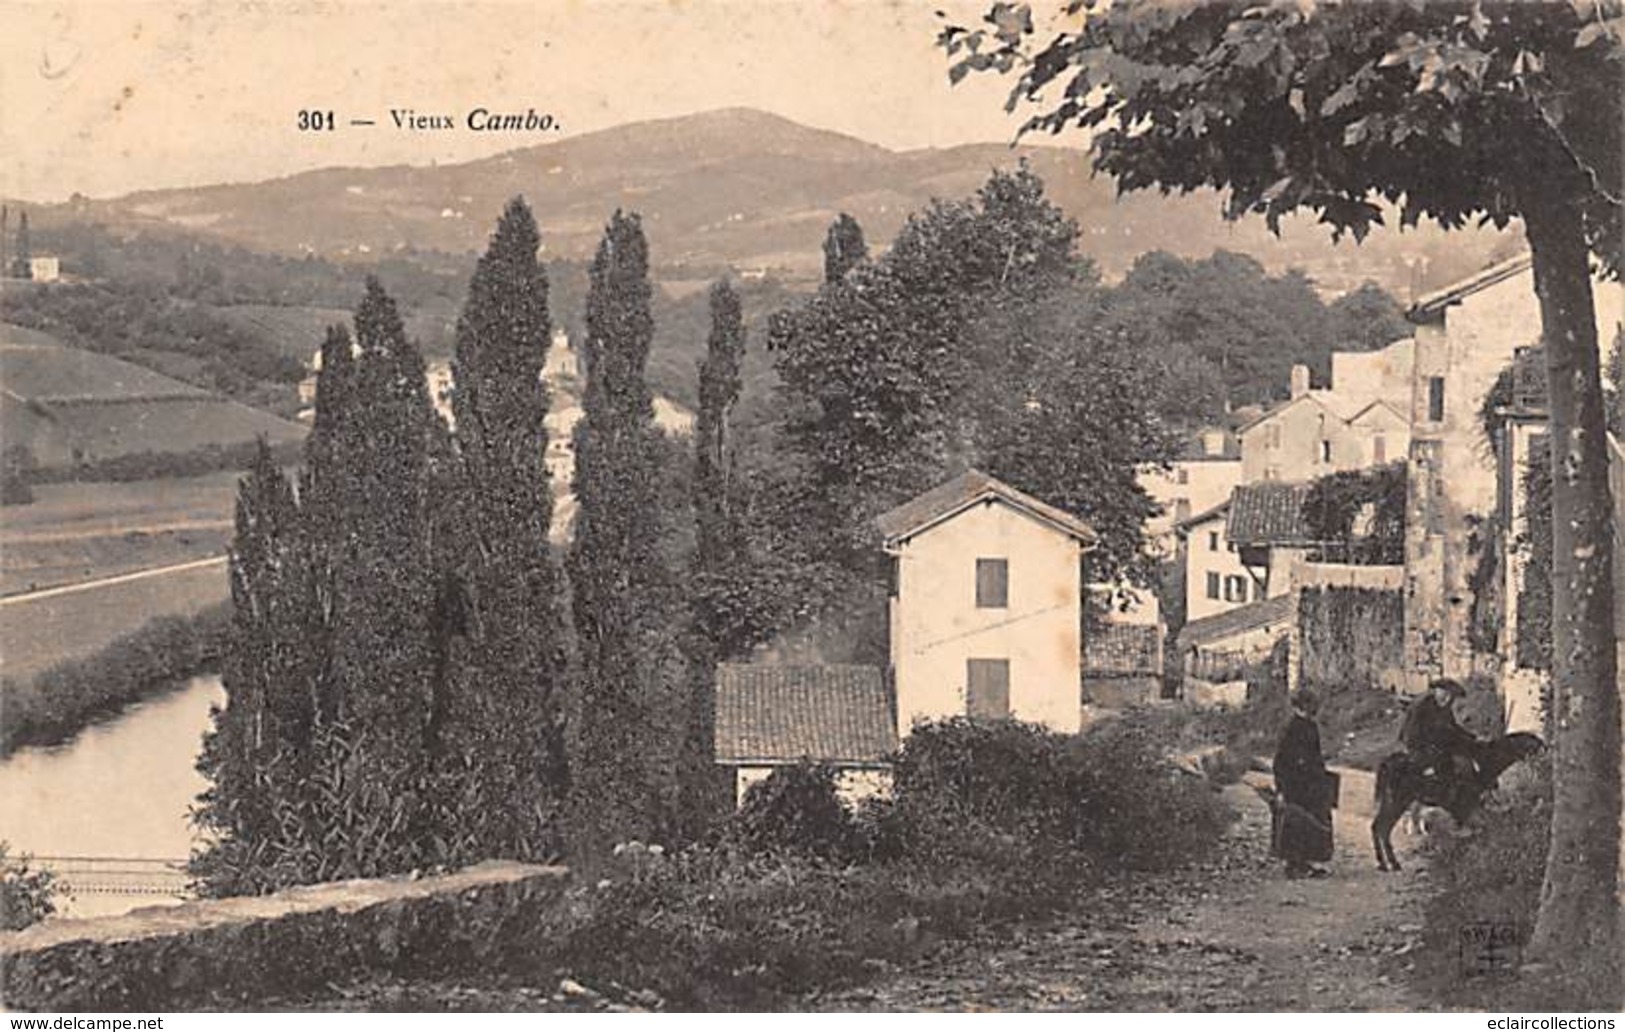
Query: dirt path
[1232,936]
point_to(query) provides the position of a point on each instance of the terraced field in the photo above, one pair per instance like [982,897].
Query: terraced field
[68,405]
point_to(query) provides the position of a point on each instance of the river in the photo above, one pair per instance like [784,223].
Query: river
[108,809]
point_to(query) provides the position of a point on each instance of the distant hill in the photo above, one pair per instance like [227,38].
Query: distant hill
[744,190]
[70,406]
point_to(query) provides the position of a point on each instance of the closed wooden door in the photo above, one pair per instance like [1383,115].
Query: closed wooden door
[987,688]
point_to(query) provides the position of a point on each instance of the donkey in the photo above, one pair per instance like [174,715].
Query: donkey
[1400,783]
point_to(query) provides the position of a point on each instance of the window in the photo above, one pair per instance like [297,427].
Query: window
[1235,588]
[1182,510]
[1379,450]
[992,583]
[1272,437]
[1212,541]
[1272,473]
[1212,585]
[1182,475]
[1325,451]
[1435,399]
[987,688]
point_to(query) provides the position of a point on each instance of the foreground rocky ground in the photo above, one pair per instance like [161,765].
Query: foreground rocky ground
[1229,935]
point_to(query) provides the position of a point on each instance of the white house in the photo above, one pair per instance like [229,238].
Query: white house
[986,620]
[44,268]
[1208,468]
[987,605]
[1215,579]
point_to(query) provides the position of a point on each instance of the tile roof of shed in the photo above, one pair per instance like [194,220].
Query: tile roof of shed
[1220,626]
[960,493]
[1268,513]
[778,713]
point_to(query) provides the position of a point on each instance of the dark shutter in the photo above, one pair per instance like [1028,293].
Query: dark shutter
[1212,584]
[987,688]
[992,583]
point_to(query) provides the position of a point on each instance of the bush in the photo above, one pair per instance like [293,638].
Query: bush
[989,822]
[154,658]
[26,896]
[1108,796]
[796,809]
[147,465]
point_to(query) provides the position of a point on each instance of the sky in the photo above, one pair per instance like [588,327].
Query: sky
[107,98]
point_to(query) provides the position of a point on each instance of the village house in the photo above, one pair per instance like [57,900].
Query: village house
[1466,334]
[1215,579]
[1207,469]
[44,268]
[1359,422]
[986,620]
[987,605]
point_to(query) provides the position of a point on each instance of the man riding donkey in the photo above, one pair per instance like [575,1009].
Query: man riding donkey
[1444,752]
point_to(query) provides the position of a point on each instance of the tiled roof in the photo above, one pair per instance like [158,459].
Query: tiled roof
[780,713]
[1210,629]
[1268,513]
[961,493]
[1430,306]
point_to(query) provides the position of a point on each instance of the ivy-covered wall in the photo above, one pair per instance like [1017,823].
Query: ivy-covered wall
[1349,636]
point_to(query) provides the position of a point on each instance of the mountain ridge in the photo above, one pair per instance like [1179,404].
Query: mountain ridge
[730,189]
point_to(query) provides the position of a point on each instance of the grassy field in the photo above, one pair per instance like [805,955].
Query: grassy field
[79,532]
[38,633]
[44,370]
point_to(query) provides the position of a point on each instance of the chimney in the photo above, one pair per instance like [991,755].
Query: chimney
[1300,380]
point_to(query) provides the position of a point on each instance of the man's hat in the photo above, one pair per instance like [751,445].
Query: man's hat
[1450,685]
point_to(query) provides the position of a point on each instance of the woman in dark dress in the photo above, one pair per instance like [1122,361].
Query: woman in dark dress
[1302,833]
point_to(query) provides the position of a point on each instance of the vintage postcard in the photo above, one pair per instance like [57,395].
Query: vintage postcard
[850,505]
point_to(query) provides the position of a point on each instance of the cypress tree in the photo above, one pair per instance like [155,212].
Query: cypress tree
[512,724]
[844,247]
[620,592]
[382,568]
[25,249]
[715,634]
[255,755]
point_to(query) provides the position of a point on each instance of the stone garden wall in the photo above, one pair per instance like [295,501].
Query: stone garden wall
[217,953]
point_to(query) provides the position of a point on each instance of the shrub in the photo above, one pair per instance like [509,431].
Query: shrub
[26,895]
[1109,794]
[795,809]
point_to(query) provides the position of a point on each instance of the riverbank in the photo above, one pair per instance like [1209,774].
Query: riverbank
[62,700]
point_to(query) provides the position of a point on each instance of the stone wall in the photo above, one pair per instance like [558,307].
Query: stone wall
[220,953]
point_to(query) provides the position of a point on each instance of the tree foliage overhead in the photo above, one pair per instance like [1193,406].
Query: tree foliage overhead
[1332,106]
